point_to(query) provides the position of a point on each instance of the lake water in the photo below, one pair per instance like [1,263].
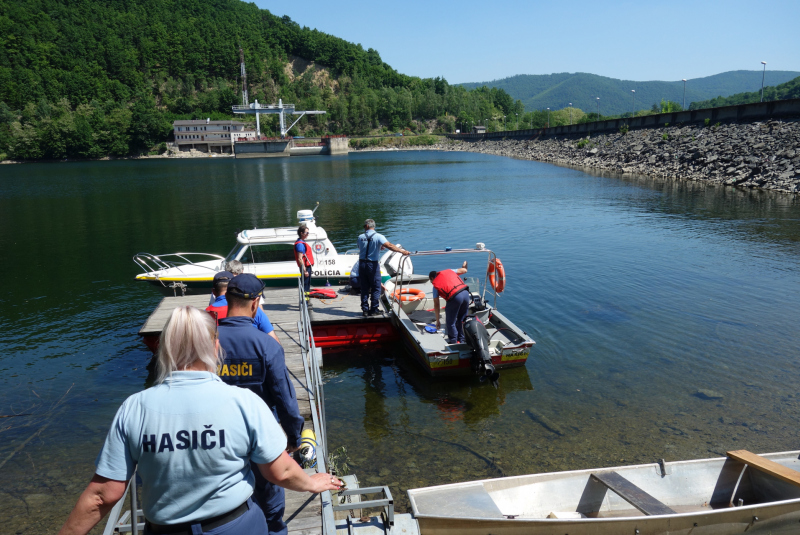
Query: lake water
[665,312]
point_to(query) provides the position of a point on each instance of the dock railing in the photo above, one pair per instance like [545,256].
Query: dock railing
[312,362]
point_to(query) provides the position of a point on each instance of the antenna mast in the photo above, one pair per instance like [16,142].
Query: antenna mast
[245,100]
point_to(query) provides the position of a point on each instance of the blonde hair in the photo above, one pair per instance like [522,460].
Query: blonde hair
[188,336]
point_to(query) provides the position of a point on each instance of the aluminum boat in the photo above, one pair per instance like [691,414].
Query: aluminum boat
[495,344]
[740,493]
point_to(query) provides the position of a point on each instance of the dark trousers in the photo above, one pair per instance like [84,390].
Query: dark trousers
[369,274]
[307,280]
[272,500]
[455,314]
[252,522]
[354,284]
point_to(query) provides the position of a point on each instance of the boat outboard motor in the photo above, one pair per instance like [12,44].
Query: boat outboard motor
[478,338]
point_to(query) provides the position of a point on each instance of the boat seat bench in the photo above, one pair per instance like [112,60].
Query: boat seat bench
[757,462]
[632,494]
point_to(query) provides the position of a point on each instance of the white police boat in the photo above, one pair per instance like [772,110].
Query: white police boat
[268,253]
[493,342]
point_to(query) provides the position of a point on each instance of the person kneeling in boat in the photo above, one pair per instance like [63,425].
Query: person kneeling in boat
[191,439]
[355,284]
[254,361]
[219,301]
[454,291]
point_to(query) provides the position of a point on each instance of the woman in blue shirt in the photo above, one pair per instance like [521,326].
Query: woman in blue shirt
[192,438]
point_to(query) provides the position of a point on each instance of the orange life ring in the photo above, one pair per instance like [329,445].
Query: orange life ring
[497,275]
[409,294]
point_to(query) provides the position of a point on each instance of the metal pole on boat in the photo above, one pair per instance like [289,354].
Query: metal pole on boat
[633,111]
[570,113]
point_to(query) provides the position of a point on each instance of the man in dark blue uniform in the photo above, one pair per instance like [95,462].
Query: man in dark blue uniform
[255,360]
[369,270]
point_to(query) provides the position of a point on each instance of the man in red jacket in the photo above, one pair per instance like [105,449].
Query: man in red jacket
[448,285]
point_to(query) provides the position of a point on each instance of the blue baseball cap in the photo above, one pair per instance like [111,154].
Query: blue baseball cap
[222,276]
[245,285]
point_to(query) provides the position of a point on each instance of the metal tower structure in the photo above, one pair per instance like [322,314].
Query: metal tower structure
[280,109]
[245,99]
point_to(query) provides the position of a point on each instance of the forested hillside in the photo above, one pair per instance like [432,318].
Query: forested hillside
[556,91]
[90,78]
[790,89]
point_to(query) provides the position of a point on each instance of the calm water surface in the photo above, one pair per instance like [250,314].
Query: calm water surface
[665,313]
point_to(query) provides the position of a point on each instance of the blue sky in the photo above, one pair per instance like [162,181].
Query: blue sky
[475,41]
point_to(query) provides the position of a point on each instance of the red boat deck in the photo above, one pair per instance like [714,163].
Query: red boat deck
[336,323]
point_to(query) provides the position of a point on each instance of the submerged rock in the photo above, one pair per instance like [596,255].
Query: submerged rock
[708,394]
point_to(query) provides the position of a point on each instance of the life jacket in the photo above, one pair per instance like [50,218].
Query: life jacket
[448,284]
[218,312]
[308,256]
[322,293]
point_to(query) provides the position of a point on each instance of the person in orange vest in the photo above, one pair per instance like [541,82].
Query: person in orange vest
[305,259]
[448,285]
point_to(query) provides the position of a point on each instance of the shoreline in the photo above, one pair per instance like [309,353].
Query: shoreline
[760,155]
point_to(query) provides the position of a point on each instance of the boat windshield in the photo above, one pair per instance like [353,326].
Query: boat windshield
[474,284]
[269,252]
[234,252]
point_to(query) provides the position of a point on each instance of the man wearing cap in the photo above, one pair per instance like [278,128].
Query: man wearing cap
[255,361]
[369,271]
[219,304]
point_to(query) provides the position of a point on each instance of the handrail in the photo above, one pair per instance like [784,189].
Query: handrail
[316,399]
[143,260]
[400,276]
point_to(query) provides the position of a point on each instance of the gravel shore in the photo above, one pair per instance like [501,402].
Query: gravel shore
[762,155]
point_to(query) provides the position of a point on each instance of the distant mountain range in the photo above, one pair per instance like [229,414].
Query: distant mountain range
[556,91]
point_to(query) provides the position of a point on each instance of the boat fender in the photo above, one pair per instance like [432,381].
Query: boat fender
[409,294]
[308,447]
[497,275]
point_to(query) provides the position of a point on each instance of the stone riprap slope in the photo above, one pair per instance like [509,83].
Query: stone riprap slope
[756,155]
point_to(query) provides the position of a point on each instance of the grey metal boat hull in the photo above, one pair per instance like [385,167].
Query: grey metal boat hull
[699,492]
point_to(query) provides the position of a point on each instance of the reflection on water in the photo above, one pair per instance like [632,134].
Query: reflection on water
[664,312]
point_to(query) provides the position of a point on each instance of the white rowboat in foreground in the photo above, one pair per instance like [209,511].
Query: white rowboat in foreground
[741,493]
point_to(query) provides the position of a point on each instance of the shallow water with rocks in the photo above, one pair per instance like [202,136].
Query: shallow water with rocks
[664,312]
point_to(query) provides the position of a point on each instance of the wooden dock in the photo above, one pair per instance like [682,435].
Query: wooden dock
[303,510]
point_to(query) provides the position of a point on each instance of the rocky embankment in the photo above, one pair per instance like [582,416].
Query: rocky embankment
[757,155]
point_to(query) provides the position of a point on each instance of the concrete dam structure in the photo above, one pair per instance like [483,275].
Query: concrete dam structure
[270,148]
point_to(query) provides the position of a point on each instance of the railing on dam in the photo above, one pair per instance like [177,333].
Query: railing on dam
[727,114]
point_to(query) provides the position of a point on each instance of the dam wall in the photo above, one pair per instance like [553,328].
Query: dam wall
[759,111]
